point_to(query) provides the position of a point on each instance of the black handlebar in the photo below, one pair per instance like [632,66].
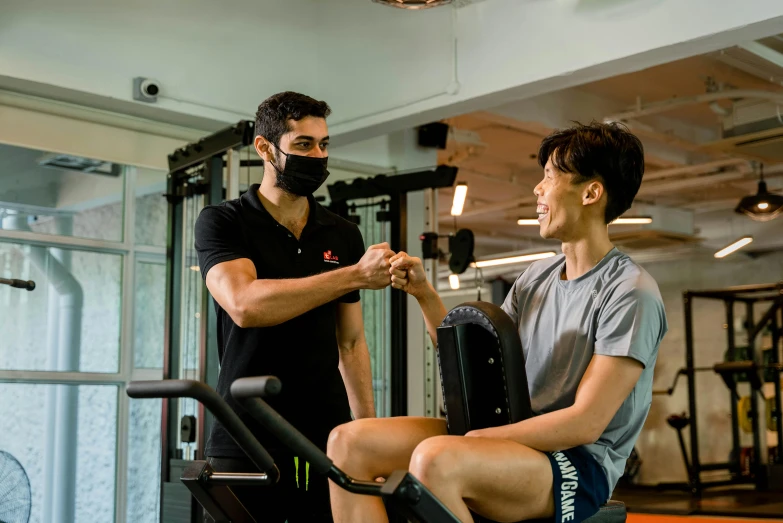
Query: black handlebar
[260,387]
[217,406]
[246,391]
[19,284]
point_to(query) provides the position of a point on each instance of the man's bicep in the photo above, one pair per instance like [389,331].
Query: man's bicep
[218,238]
[227,279]
[350,324]
[631,325]
[604,387]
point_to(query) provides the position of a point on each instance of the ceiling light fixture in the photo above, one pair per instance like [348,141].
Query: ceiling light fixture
[454,282]
[460,193]
[737,245]
[413,4]
[762,206]
[630,220]
[513,259]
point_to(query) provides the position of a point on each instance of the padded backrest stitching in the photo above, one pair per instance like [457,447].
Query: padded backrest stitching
[493,331]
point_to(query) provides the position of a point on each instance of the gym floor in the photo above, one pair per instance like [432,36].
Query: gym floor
[719,505]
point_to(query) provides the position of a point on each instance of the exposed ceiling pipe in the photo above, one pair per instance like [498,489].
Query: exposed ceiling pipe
[677,103]
[664,186]
[642,130]
[722,177]
[763,52]
[693,169]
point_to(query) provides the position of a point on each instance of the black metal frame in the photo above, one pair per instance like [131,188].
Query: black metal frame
[402,493]
[749,295]
[212,489]
[396,188]
[195,169]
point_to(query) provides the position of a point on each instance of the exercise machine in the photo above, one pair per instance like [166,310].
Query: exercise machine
[742,364]
[484,380]
[393,192]
[402,493]
[476,341]
[478,345]
[212,489]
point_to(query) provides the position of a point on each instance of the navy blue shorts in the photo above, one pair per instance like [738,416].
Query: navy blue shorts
[579,485]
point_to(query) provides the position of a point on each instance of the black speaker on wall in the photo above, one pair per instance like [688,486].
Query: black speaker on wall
[433,135]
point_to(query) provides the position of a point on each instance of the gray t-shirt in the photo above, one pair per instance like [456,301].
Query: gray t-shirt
[615,310]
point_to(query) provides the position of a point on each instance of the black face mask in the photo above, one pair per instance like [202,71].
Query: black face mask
[302,175]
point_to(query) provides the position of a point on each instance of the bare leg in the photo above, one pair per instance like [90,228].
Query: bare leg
[370,448]
[498,479]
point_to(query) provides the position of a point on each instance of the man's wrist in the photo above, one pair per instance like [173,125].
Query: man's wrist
[428,295]
[354,277]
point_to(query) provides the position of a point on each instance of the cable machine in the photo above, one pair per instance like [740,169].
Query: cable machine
[195,179]
[749,364]
[394,190]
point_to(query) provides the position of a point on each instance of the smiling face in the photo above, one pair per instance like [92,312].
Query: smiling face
[566,209]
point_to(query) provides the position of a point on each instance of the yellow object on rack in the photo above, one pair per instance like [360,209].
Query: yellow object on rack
[743,414]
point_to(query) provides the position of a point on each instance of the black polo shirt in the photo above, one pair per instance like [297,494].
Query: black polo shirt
[303,351]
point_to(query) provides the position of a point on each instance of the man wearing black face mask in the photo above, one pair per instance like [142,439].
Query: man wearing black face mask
[285,274]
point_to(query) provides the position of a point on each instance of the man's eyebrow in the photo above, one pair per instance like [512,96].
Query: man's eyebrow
[310,138]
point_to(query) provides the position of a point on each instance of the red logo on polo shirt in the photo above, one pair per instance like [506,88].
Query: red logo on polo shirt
[330,258]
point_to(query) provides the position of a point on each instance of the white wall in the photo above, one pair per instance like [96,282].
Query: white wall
[228,56]
[381,69]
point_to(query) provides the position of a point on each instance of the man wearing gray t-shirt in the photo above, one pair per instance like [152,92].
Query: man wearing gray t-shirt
[590,321]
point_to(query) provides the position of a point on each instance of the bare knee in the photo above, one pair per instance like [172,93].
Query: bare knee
[350,443]
[436,460]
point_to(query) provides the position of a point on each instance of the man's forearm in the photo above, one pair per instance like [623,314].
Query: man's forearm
[264,303]
[357,375]
[434,311]
[558,430]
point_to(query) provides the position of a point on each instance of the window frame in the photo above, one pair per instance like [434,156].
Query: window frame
[130,252]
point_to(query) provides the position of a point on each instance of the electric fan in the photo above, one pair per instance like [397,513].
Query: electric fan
[15,495]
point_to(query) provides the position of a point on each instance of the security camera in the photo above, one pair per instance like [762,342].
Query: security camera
[145,89]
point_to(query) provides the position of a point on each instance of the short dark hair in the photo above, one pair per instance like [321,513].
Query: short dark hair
[274,112]
[607,151]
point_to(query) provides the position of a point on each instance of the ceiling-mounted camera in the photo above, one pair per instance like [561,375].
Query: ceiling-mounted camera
[145,89]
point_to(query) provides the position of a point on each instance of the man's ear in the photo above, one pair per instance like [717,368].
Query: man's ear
[592,193]
[264,149]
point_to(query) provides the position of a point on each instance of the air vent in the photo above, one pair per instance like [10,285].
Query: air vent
[67,162]
[753,129]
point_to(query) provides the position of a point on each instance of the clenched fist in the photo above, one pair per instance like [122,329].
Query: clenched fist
[374,267]
[407,274]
